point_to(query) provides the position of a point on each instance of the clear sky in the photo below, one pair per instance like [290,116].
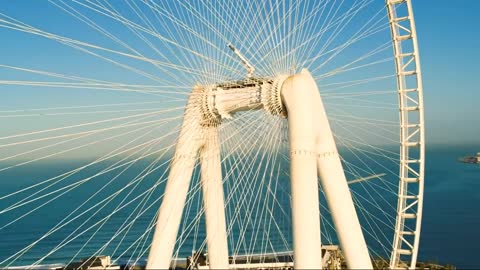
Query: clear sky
[448,39]
[449,47]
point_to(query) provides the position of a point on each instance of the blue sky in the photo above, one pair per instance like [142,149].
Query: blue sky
[448,40]
[449,47]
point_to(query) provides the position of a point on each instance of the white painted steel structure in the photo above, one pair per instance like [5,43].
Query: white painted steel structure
[278,63]
[412,134]
[313,154]
[315,139]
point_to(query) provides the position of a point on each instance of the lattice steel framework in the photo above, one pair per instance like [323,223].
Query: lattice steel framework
[412,137]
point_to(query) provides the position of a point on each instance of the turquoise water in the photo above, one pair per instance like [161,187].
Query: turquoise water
[449,233]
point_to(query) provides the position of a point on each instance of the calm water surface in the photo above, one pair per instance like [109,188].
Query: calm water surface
[450,230]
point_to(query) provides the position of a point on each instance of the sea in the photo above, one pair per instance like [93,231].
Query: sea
[450,231]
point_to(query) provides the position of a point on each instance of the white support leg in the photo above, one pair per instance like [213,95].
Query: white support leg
[213,199]
[181,169]
[313,154]
[335,186]
[297,93]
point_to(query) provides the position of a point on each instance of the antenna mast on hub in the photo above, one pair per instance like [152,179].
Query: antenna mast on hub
[248,66]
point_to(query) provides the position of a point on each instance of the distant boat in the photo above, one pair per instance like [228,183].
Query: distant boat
[471,159]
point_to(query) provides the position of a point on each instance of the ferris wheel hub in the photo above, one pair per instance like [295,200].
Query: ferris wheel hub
[221,101]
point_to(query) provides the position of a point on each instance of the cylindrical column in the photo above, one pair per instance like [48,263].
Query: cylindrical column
[213,200]
[297,93]
[181,169]
[335,187]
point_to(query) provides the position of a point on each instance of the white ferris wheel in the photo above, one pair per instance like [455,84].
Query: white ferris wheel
[261,133]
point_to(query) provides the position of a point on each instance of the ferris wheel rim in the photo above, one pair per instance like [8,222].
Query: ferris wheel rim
[402,246]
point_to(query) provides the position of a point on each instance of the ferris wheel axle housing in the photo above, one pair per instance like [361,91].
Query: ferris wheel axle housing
[221,101]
